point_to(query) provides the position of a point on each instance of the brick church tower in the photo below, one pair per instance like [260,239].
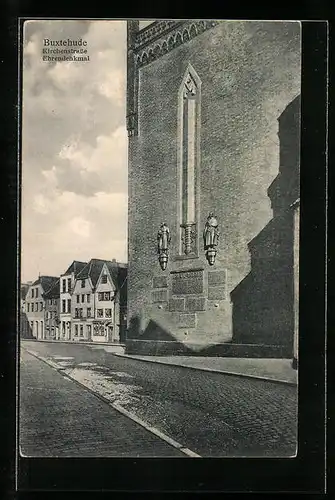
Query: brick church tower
[212,176]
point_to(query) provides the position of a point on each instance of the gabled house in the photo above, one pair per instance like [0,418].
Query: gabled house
[51,312]
[97,302]
[35,304]
[66,285]
[111,303]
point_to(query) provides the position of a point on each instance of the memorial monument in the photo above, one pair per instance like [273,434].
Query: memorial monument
[204,101]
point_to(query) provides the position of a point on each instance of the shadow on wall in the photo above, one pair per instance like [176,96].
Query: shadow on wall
[156,341]
[263,301]
[161,341]
[25,328]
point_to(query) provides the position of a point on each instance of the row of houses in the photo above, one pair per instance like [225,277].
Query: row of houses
[88,302]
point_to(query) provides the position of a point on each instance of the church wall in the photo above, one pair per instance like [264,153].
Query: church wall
[249,73]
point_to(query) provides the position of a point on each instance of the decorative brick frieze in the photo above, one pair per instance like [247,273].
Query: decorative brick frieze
[154,31]
[163,36]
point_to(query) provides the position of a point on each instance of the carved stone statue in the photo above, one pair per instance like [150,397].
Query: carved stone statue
[163,241]
[211,238]
[211,232]
[163,238]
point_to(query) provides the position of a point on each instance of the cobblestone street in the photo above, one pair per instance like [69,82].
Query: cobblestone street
[58,418]
[211,413]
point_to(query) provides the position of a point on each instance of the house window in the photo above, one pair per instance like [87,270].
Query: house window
[89,312]
[78,313]
[32,292]
[82,283]
[88,298]
[189,102]
[81,330]
[100,313]
[89,330]
[64,286]
[78,299]
[104,296]
[68,305]
[41,306]
[108,313]
[83,298]
[76,330]
[36,293]
[104,278]
[63,327]
[28,306]
[63,306]
[69,285]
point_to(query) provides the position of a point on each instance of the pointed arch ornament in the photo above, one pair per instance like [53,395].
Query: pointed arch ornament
[189,103]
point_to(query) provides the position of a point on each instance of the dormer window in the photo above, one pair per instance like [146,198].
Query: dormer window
[104,278]
[83,283]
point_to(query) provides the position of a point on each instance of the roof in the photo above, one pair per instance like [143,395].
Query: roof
[75,267]
[53,292]
[46,282]
[118,272]
[94,267]
[24,290]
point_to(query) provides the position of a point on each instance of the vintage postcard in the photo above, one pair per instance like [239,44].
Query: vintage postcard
[160,172]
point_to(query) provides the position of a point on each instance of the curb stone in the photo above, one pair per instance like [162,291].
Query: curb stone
[211,370]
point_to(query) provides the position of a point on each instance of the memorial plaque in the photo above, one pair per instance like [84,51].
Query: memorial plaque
[187,282]
[217,293]
[217,278]
[187,320]
[160,282]
[177,304]
[195,304]
[159,296]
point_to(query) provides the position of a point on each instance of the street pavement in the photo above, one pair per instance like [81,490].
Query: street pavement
[60,419]
[213,414]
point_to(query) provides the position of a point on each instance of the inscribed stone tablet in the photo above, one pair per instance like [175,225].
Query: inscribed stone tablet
[189,282]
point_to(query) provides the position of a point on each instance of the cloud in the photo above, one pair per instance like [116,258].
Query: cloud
[80,227]
[74,148]
[41,204]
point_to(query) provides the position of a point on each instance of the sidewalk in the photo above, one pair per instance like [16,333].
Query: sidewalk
[109,347]
[279,370]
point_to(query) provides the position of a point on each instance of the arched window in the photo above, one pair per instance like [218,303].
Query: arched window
[188,159]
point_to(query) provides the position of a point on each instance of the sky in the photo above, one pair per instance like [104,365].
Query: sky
[74,149]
